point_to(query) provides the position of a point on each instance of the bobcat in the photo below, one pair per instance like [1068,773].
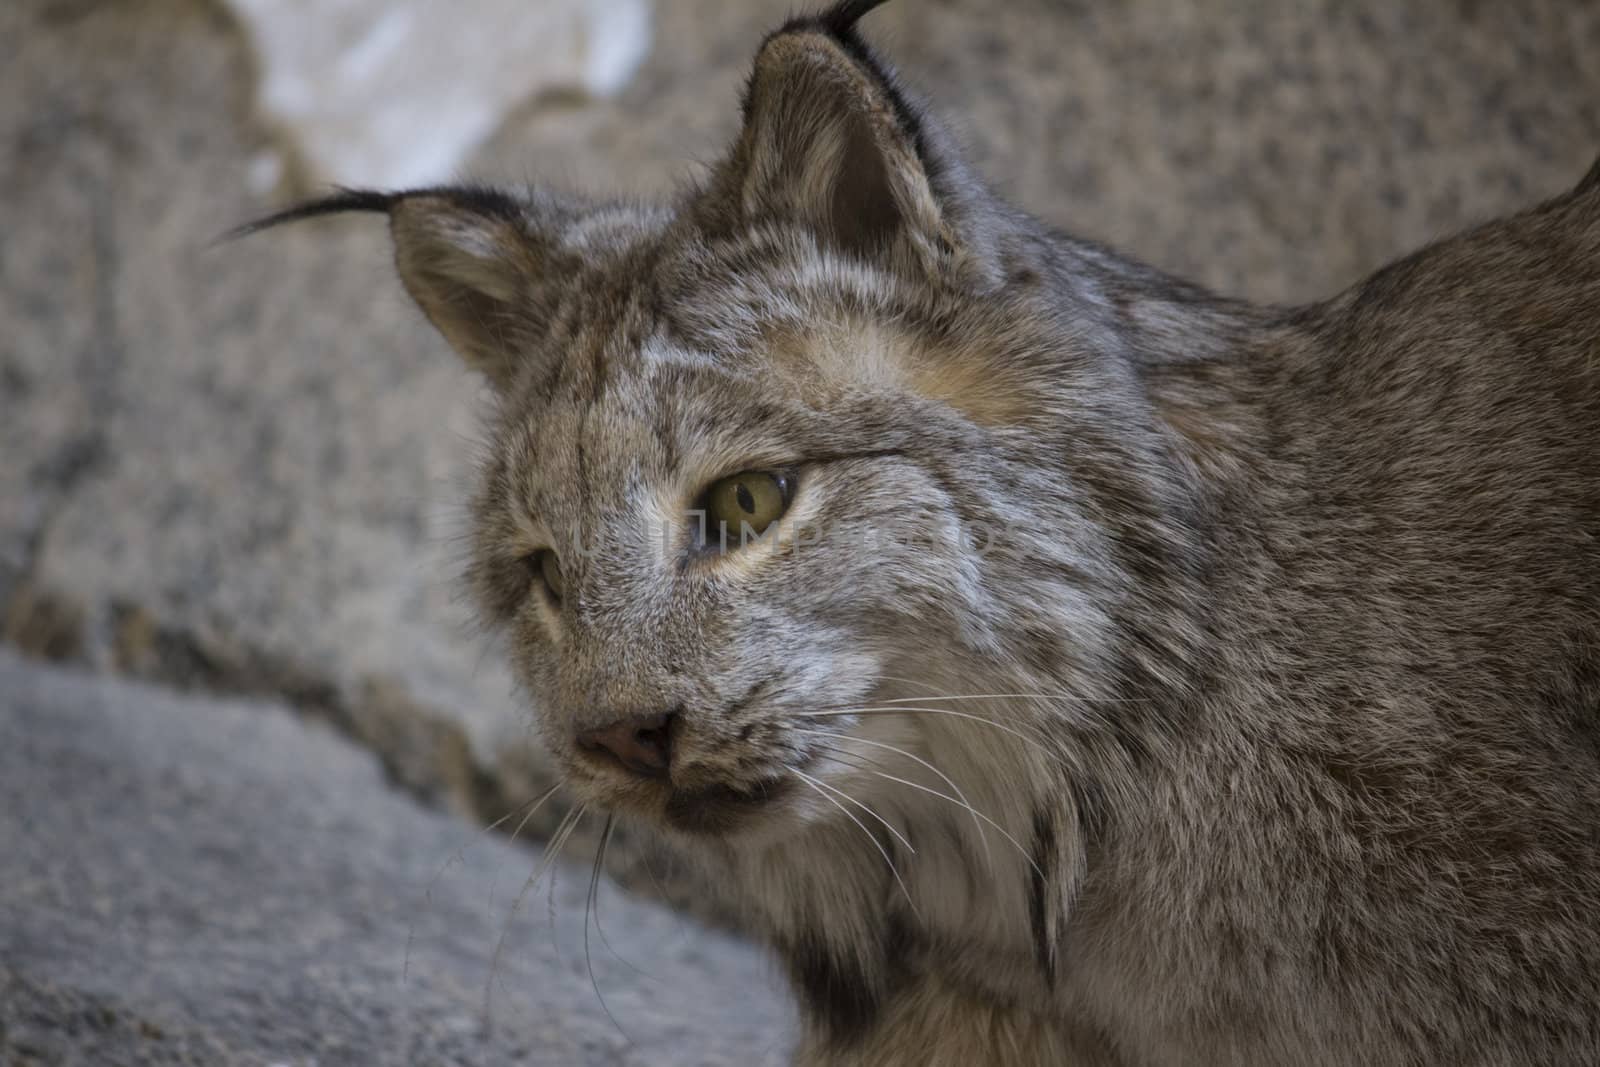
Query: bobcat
[1057,663]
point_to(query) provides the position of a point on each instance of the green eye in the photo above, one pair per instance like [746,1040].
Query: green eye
[547,568]
[751,499]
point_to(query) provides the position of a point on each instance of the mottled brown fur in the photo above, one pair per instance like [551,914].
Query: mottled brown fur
[1278,629]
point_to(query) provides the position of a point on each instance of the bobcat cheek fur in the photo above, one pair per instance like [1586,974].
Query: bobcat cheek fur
[1276,631]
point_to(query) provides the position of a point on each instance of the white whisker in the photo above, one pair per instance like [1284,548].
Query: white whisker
[459,855]
[590,904]
[557,841]
[989,857]
[1001,830]
[887,825]
[605,842]
[907,709]
[875,842]
[495,880]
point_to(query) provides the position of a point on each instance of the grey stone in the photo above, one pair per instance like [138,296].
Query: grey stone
[352,93]
[218,882]
[241,465]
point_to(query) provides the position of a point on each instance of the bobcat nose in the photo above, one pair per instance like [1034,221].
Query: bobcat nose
[643,745]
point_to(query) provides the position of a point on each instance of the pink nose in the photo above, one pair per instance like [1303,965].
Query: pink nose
[642,744]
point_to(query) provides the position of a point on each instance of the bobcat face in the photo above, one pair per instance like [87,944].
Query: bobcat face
[820,435]
[644,595]
[842,336]
[727,501]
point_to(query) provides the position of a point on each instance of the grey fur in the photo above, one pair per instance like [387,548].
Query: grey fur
[1305,603]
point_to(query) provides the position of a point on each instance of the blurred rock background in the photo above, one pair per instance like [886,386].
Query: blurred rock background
[238,470]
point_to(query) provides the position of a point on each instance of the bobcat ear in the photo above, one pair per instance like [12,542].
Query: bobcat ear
[480,270]
[830,140]
[480,264]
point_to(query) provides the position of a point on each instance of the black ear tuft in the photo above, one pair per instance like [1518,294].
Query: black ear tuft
[841,18]
[483,265]
[839,23]
[832,142]
[479,198]
[337,202]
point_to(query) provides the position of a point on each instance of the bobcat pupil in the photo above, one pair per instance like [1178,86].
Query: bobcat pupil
[751,500]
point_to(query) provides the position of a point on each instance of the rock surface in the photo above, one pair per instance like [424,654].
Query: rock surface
[237,466]
[398,92]
[210,882]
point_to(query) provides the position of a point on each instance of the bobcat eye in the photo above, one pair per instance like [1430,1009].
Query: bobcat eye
[545,567]
[753,499]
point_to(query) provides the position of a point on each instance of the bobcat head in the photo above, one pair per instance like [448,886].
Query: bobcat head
[834,427]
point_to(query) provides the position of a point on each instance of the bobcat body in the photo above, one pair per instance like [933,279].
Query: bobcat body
[1276,631]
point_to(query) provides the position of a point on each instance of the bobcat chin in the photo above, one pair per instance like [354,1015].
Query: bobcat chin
[1055,662]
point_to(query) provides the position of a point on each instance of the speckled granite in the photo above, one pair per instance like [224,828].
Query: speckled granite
[238,464]
[350,95]
[240,468]
[222,883]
